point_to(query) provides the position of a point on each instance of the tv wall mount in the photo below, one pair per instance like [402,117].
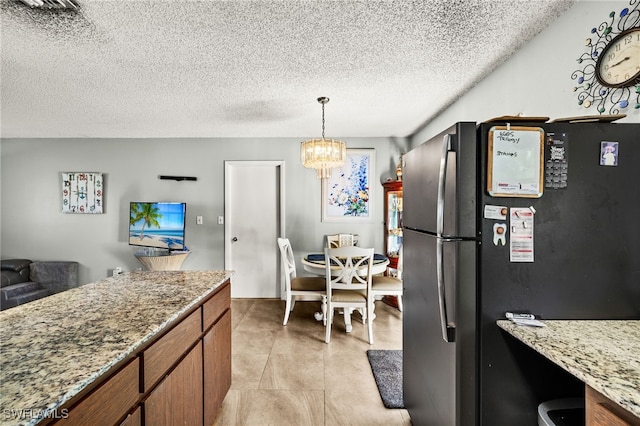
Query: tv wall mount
[178,178]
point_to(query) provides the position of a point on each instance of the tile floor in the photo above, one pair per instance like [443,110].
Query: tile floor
[288,375]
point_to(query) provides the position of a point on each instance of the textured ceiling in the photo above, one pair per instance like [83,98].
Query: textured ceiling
[251,68]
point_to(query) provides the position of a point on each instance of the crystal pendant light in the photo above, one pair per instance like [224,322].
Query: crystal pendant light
[323,154]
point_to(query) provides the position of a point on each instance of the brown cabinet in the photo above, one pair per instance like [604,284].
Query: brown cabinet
[601,411]
[134,418]
[216,348]
[392,221]
[180,377]
[217,366]
[174,400]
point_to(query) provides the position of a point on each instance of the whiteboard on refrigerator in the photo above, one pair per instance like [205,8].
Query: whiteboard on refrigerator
[516,162]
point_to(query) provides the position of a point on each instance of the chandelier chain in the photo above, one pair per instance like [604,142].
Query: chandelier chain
[322,120]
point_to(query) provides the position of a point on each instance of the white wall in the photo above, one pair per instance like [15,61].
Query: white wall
[536,80]
[34,227]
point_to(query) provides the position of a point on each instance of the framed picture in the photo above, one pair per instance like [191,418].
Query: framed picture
[347,196]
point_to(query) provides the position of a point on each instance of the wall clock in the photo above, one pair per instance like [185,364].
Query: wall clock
[609,77]
[619,63]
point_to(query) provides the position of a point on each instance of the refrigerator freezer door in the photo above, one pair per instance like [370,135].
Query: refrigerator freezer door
[440,183]
[420,172]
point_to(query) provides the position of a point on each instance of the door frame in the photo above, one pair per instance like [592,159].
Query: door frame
[279,166]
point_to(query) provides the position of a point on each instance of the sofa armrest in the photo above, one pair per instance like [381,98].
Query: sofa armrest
[14,271]
[16,265]
[56,276]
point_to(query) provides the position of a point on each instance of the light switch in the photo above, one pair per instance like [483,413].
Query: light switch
[198,220]
[220,220]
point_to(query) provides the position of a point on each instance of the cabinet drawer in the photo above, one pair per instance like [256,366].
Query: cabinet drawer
[216,306]
[110,402]
[164,353]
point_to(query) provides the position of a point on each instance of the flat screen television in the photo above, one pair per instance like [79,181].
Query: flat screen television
[158,225]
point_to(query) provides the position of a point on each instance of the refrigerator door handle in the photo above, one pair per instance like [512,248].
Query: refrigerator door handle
[448,331]
[442,180]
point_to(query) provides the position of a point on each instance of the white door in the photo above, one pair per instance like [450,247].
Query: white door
[254,202]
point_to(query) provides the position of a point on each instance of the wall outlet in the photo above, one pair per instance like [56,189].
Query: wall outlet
[117,271]
[220,220]
[198,220]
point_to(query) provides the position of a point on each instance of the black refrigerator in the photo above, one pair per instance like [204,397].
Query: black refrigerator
[490,230]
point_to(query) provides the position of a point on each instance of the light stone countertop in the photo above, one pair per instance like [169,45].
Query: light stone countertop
[53,348]
[604,354]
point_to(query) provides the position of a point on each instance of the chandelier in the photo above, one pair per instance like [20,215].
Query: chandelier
[323,154]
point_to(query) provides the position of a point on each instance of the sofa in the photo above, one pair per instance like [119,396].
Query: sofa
[23,280]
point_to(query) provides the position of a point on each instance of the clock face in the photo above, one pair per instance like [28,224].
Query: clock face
[619,63]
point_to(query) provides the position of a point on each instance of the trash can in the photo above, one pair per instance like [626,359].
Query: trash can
[562,412]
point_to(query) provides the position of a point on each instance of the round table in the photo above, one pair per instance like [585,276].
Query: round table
[314,263]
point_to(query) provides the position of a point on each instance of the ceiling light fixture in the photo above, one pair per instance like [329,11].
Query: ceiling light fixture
[323,154]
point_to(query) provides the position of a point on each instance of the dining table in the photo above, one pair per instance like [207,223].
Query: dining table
[314,263]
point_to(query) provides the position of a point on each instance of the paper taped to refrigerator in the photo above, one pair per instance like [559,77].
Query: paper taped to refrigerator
[521,241]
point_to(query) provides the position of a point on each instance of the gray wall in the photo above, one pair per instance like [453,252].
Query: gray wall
[33,226]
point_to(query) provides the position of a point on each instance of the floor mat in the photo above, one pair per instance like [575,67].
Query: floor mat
[386,366]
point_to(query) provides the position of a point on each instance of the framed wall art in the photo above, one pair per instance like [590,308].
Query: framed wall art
[347,196]
[82,192]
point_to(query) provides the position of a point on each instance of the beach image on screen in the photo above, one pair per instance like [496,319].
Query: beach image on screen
[159,225]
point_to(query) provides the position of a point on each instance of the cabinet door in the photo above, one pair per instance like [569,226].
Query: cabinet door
[217,366]
[133,419]
[601,411]
[177,400]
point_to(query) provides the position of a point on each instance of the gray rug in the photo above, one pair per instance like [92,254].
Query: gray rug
[386,366]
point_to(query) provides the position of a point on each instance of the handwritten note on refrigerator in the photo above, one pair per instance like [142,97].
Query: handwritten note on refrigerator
[515,163]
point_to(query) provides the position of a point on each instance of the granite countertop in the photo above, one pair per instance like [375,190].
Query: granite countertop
[52,348]
[604,354]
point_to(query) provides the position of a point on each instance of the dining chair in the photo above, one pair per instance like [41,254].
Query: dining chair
[341,240]
[386,285]
[348,284]
[310,288]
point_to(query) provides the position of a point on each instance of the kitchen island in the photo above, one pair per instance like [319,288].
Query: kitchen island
[104,350]
[603,354]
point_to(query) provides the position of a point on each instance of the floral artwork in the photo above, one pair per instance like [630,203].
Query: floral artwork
[347,193]
[82,192]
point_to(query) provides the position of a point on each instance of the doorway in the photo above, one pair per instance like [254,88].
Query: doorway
[254,219]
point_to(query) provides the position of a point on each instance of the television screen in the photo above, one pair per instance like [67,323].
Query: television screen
[159,225]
